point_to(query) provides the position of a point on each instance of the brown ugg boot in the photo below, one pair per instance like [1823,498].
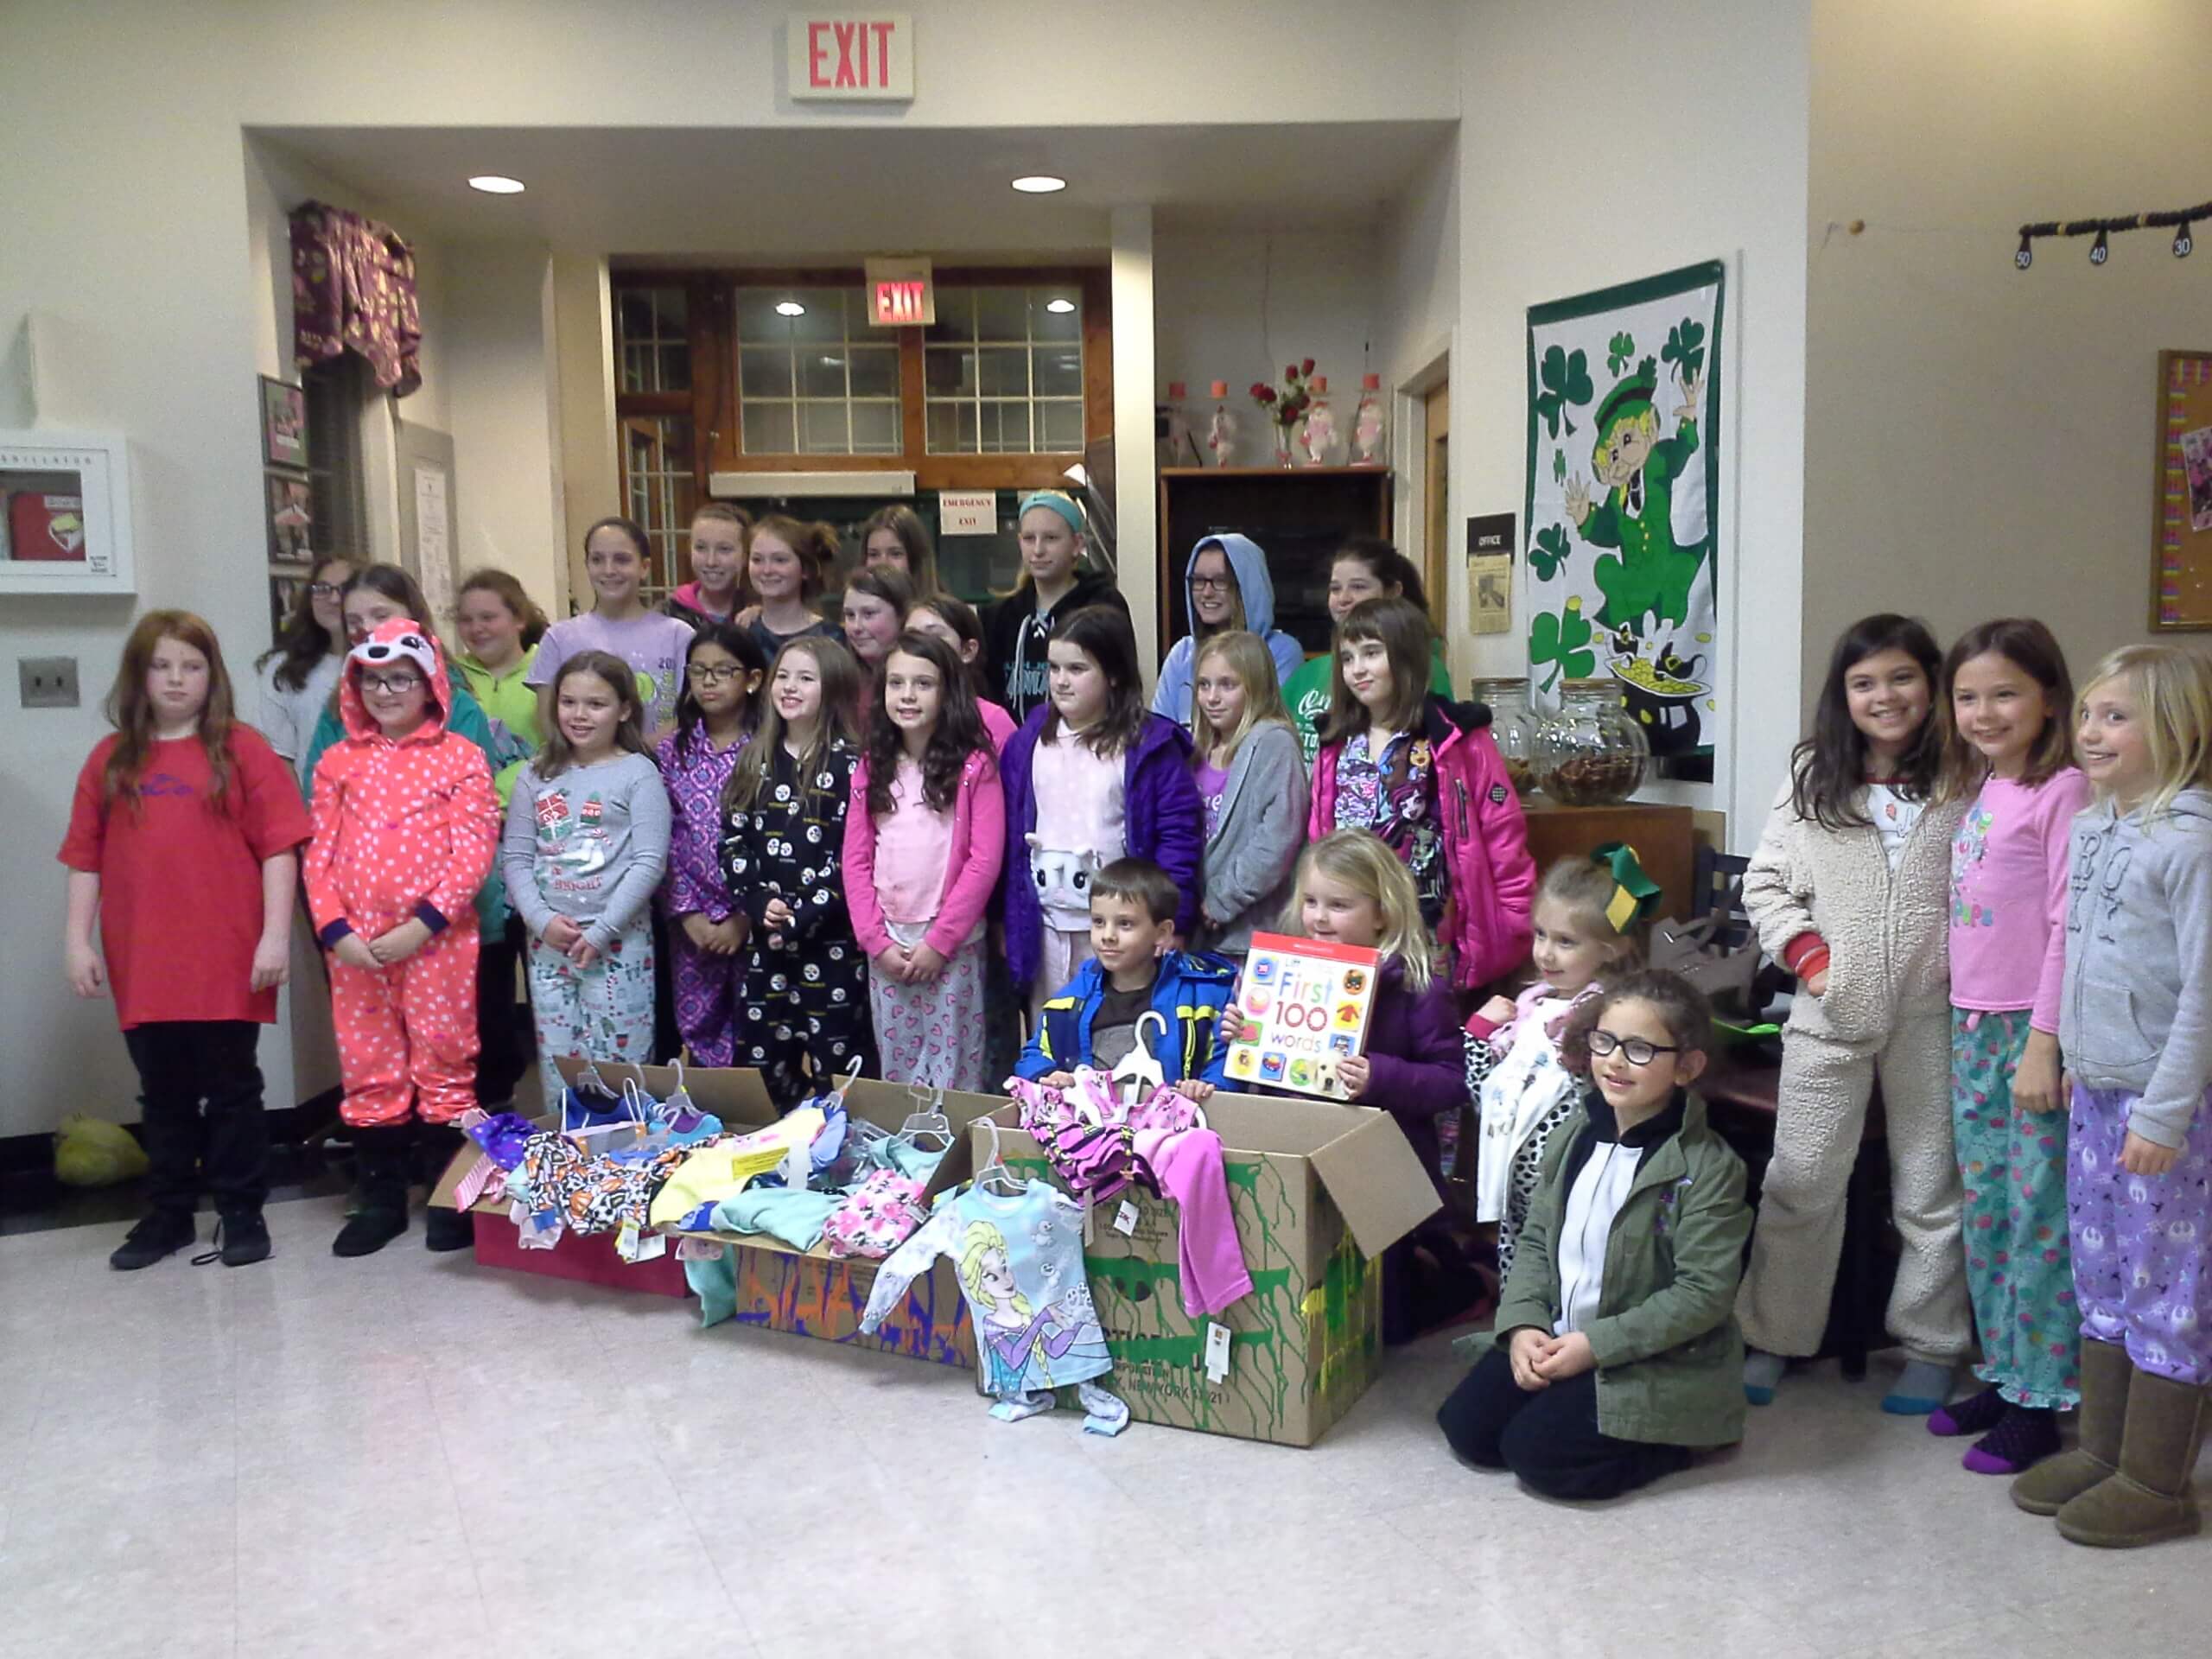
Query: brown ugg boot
[2056,1481]
[2149,1500]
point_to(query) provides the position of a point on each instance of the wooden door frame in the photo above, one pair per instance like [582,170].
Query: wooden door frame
[1409,457]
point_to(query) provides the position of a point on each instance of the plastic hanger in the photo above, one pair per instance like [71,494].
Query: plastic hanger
[1140,1067]
[996,1177]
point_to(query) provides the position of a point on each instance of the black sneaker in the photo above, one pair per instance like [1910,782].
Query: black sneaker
[241,1240]
[162,1233]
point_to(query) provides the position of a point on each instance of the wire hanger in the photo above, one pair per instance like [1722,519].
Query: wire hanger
[1140,1067]
[996,1177]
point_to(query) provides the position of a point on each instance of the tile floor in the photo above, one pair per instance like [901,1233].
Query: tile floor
[408,1454]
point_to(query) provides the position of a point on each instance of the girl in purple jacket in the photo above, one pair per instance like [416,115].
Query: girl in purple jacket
[1425,775]
[924,840]
[1091,777]
[715,717]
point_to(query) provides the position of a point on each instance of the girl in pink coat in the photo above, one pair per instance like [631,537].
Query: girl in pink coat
[406,822]
[924,838]
[1425,775]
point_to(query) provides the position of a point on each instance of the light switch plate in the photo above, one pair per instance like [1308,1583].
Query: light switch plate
[47,682]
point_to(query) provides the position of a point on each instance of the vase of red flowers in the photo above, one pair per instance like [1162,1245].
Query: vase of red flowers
[1287,408]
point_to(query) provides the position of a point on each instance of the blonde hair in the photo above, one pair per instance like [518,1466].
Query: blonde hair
[2173,691]
[1361,861]
[1585,889]
[1254,669]
[982,1239]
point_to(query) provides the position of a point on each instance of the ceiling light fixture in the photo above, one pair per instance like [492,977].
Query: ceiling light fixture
[789,308]
[496,184]
[1059,308]
[1038,184]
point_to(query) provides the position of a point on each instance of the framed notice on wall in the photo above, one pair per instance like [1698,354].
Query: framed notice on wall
[2181,524]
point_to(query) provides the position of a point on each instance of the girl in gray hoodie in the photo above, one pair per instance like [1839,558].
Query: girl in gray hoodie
[1251,782]
[2135,1025]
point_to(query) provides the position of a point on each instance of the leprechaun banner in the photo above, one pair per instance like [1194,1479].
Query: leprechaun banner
[1623,481]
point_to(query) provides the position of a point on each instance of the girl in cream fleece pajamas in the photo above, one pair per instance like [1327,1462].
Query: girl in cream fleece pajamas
[1877,900]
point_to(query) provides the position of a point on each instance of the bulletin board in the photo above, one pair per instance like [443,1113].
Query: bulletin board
[2181,543]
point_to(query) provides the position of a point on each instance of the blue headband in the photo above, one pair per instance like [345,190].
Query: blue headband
[1057,502]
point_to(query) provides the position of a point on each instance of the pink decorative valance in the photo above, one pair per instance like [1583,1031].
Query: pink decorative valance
[354,288]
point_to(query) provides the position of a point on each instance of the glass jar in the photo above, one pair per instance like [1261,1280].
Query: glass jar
[1513,727]
[1591,753]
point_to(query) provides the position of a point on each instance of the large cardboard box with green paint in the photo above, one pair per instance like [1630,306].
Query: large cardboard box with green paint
[1319,1191]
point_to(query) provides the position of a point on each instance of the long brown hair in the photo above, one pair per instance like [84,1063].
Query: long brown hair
[131,711]
[302,643]
[905,524]
[2028,647]
[1403,627]
[1828,769]
[507,588]
[393,582]
[1105,635]
[816,544]
[559,754]
[959,733]
[840,696]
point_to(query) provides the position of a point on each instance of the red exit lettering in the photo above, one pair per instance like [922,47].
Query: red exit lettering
[862,50]
[899,302]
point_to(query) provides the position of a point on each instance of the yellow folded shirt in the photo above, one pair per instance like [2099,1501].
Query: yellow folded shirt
[721,1169]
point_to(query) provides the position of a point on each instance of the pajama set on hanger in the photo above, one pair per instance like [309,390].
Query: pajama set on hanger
[707,986]
[1021,1262]
[1524,1093]
[589,844]
[805,989]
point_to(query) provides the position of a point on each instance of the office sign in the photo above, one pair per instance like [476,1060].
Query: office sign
[845,56]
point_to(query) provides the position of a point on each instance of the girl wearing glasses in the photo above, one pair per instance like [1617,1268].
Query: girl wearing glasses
[1615,1353]
[406,823]
[714,719]
[1229,588]
[298,674]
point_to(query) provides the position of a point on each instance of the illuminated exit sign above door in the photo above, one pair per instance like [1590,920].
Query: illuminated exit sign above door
[900,293]
[846,55]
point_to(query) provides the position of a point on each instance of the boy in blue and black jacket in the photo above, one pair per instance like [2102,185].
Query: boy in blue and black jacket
[1135,970]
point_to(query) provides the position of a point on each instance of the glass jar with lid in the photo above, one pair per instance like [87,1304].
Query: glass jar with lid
[1590,753]
[1513,725]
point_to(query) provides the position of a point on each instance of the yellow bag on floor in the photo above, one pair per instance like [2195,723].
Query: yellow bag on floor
[92,1152]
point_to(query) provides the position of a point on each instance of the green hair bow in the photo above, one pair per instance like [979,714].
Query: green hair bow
[1636,895]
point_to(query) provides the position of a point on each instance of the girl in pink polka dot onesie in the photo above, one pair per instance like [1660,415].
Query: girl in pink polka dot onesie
[406,823]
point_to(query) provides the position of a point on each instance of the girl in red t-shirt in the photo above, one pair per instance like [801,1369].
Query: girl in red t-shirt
[182,841]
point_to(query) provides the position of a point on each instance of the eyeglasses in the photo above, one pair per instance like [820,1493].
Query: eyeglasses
[1639,1052]
[1218,584]
[391,685]
[324,590]
[717,674]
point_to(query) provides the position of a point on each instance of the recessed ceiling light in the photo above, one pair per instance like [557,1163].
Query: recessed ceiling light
[1060,307]
[1038,184]
[496,184]
[789,308]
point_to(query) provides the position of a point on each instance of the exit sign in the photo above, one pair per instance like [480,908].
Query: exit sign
[900,293]
[847,55]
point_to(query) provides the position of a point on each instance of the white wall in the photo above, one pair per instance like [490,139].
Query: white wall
[1599,144]
[1238,305]
[1978,439]
[502,387]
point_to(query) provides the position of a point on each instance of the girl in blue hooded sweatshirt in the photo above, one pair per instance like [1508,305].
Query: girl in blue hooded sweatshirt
[1228,588]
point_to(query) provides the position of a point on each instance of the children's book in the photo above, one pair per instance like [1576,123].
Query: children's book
[1305,1004]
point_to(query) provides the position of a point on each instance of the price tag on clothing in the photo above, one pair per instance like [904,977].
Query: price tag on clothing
[1088,1234]
[1217,1352]
[652,1248]
[1125,1219]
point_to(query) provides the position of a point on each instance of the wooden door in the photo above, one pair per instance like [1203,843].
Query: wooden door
[1436,479]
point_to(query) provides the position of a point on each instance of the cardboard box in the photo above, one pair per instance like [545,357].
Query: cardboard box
[809,1292]
[1319,1191]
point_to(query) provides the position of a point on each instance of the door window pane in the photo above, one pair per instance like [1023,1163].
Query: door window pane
[1024,354]
[652,342]
[803,354]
